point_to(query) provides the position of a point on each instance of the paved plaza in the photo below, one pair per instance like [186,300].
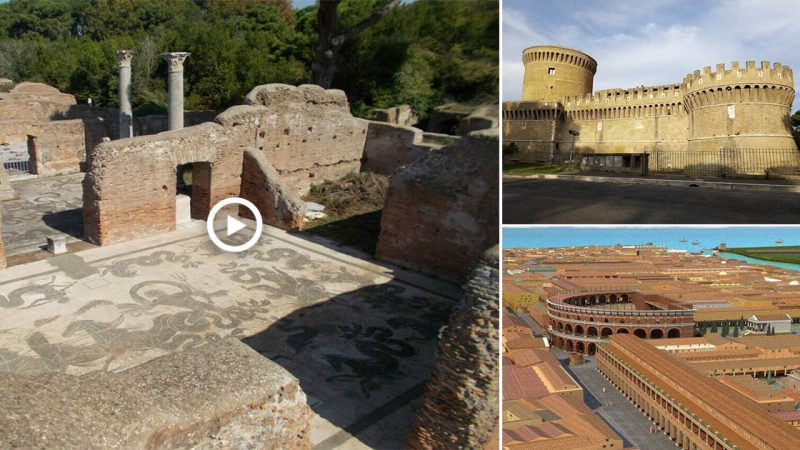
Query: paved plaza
[359,336]
[44,207]
[618,412]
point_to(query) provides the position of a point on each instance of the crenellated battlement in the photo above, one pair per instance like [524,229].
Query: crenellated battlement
[555,54]
[750,73]
[642,95]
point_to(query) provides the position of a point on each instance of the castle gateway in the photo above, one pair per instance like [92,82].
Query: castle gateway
[725,121]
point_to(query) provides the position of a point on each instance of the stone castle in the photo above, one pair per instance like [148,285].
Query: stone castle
[743,109]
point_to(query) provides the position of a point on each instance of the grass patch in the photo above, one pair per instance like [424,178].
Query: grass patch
[530,169]
[353,205]
[787,254]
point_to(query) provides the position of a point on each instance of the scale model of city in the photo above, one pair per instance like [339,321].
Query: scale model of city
[643,346]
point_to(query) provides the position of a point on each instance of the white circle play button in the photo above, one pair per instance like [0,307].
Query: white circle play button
[234,225]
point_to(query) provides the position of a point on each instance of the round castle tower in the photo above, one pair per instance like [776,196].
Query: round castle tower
[552,73]
[740,108]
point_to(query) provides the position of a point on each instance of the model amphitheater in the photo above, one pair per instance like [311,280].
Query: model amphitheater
[739,112]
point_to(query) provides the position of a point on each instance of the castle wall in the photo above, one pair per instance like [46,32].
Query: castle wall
[744,109]
[551,73]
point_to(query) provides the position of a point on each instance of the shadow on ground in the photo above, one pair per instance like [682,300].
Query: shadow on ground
[360,231]
[360,356]
[69,221]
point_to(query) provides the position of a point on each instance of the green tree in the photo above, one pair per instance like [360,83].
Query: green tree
[796,126]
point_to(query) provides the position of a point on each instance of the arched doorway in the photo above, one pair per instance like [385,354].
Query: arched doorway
[605,332]
[622,331]
[592,348]
[568,328]
[674,333]
[656,334]
[591,332]
[579,347]
[568,346]
[559,326]
[640,333]
[579,330]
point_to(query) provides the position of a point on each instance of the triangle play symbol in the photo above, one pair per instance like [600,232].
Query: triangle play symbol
[234,225]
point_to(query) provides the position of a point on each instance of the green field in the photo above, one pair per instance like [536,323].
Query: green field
[783,253]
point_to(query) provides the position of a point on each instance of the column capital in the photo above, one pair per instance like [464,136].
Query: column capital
[175,60]
[124,57]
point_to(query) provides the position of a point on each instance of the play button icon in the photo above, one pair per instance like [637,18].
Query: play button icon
[234,225]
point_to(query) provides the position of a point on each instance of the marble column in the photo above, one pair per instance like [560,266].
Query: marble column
[125,111]
[175,61]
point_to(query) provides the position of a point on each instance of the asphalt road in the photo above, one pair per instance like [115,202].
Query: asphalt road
[582,202]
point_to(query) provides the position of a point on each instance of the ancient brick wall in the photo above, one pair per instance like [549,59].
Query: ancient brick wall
[307,133]
[460,406]
[388,147]
[279,205]
[130,187]
[446,203]
[57,148]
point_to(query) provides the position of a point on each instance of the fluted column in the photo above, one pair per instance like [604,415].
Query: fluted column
[125,111]
[175,62]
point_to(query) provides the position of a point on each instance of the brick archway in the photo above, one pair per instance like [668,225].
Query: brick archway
[674,333]
[622,331]
[605,332]
[640,333]
[579,330]
[656,333]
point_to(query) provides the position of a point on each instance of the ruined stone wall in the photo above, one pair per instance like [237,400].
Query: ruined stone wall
[460,406]
[130,186]
[388,147]
[279,205]
[307,133]
[445,203]
[58,148]
[218,395]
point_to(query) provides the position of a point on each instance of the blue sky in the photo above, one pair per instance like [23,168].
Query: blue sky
[649,42]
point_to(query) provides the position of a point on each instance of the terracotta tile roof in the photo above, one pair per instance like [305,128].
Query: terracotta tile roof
[525,357]
[522,382]
[728,412]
